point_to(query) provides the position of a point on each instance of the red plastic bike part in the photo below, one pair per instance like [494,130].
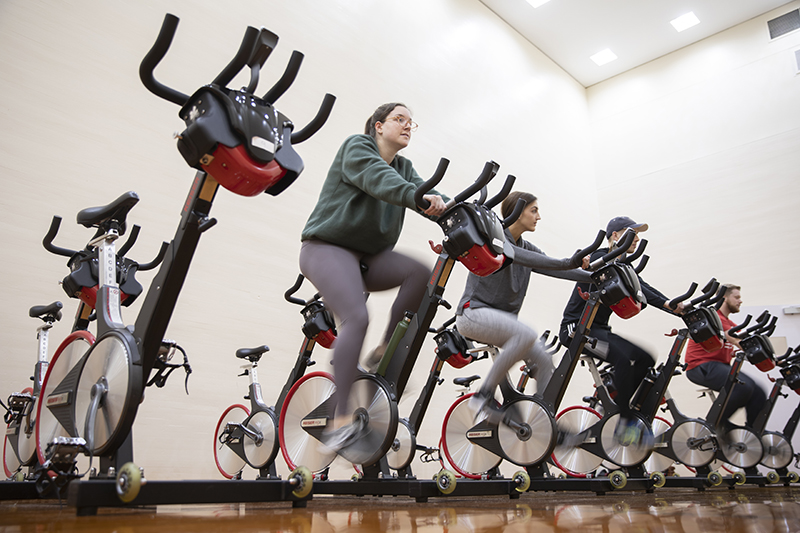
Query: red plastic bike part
[239,173]
[325,338]
[627,307]
[88,295]
[481,260]
[712,344]
[459,360]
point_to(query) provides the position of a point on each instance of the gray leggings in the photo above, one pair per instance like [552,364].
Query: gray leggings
[336,273]
[518,342]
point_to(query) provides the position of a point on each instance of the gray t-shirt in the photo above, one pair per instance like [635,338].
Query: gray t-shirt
[505,289]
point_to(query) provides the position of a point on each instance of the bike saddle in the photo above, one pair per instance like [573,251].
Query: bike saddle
[48,313]
[251,354]
[465,382]
[116,211]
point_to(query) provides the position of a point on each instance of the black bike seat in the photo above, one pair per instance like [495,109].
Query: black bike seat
[465,382]
[44,311]
[253,354]
[116,211]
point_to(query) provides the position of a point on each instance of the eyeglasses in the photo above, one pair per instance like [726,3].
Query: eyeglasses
[403,121]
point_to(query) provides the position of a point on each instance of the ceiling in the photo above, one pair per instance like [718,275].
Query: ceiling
[637,31]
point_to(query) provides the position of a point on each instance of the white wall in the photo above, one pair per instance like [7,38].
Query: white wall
[702,145]
[78,129]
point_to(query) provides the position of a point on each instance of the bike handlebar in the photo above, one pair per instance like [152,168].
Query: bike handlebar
[293,289]
[622,246]
[154,57]
[239,60]
[317,122]
[157,261]
[434,180]
[643,263]
[47,242]
[132,236]
[636,253]
[499,197]
[678,299]
[488,172]
[520,205]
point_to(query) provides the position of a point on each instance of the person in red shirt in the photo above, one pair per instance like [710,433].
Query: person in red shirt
[711,369]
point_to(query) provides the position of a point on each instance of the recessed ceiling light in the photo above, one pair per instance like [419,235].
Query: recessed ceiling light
[685,21]
[537,3]
[603,57]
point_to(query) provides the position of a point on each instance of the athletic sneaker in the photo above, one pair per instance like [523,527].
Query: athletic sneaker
[344,436]
[483,405]
[628,432]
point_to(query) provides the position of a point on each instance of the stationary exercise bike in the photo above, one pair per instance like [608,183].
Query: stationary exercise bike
[697,442]
[526,433]
[473,236]
[234,139]
[251,436]
[595,429]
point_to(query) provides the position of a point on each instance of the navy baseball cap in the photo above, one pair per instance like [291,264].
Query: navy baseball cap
[620,223]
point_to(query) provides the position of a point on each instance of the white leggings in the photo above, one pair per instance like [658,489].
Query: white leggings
[518,342]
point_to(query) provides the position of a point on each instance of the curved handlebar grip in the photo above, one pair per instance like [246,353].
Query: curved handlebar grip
[293,289]
[621,248]
[47,242]
[761,321]
[520,205]
[240,59]
[499,197]
[770,329]
[673,304]
[637,253]
[707,296]
[489,171]
[423,189]
[157,261]
[598,241]
[132,236]
[482,196]
[154,57]
[286,80]
[733,332]
[643,263]
[317,122]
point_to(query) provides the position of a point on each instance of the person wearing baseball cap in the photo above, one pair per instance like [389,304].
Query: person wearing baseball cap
[630,361]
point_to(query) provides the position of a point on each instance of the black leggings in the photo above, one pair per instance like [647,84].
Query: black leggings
[631,363]
[336,273]
[747,394]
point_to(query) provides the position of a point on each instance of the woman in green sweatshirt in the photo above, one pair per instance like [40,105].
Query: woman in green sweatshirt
[357,220]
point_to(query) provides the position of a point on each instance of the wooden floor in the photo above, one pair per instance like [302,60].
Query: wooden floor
[767,509]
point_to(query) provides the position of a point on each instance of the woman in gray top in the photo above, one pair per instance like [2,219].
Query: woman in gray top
[489,307]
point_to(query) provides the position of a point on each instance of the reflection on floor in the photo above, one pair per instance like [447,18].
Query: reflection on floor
[675,510]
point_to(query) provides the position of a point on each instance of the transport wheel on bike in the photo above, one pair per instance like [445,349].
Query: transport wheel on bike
[228,462]
[297,446]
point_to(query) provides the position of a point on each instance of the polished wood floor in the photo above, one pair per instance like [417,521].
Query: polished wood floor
[767,509]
